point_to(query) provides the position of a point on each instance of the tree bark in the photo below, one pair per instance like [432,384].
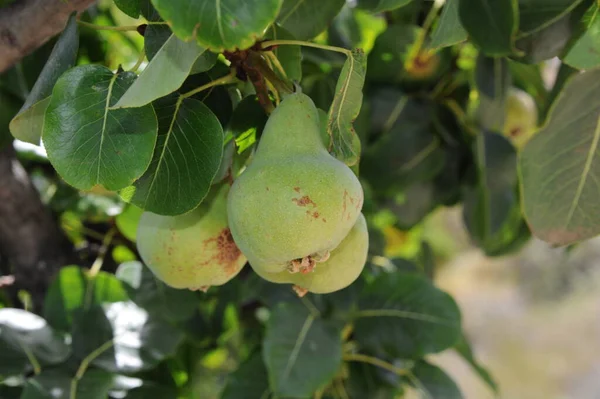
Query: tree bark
[27,24]
[31,242]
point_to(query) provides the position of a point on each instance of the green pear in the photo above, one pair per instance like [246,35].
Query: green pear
[343,267]
[295,202]
[521,117]
[194,250]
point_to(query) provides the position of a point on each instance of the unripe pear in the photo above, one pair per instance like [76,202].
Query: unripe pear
[194,250]
[521,117]
[343,267]
[294,200]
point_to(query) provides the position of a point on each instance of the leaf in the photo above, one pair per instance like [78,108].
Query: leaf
[302,351]
[345,144]
[26,338]
[139,341]
[165,73]
[413,204]
[290,57]
[493,80]
[585,53]
[301,20]
[535,15]
[158,299]
[464,349]
[375,6]
[408,150]
[185,161]
[403,315]
[87,142]
[559,166]
[249,380]
[155,37]
[390,50]
[130,7]
[433,383]
[449,30]
[529,78]
[491,209]
[491,24]
[546,43]
[56,384]
[128,220]
[220,24]
[247,123]
[367,381]
[27,124]
[69,291]
[135,388]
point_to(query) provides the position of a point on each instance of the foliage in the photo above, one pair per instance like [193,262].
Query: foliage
[171,99]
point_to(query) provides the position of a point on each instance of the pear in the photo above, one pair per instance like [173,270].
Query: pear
[341,269]
[295,202]
[521,117]
[194,250]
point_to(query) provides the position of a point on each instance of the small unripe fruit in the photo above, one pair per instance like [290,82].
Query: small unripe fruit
[333,272]
[194,250]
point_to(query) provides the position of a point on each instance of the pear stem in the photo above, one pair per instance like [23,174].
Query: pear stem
[270,43]
[230,78]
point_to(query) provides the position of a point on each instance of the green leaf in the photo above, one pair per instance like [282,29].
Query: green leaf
[491,24]
[546,43]
[186,158]
[158,299]
[493,80]
[139,341]
[219,24]
[464,349]
[247,123]
[408,150]
[412,204]
[290,57]
[432,382]
[301,20]
[87,142]
[367,381]
[135,388]
[585,53]
[559,166]
[386,60]
[165,73]
[27,339]
[535,15]
[381,5]
[27,124]
[129,7]
[155,38]
[302,351]
[403,315]
[56,384]
[491,209]
[449,30]
[345,144]
[529,78]
[249,380]
[69,291]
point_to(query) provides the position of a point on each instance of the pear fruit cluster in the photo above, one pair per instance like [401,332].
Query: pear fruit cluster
[295,212]
[194,250]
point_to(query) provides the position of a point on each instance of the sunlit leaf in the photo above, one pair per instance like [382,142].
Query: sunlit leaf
[345,144]
[87,142]
[559,166]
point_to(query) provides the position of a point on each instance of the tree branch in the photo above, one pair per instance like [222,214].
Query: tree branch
[30,239]
[27,24]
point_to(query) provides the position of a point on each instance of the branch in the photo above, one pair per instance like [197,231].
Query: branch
[25,25]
